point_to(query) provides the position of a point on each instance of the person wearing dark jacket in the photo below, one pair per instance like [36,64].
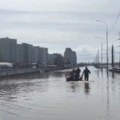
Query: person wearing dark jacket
[77,73]
[86,73]
[72,73]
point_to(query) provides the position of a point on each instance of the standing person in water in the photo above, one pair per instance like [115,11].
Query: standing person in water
[86,73]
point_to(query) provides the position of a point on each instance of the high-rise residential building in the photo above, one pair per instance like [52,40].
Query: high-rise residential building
[24,53]
[36,54]
[8,50]
[70,57]
[27,53]
[51,59]
[56,59]
[43,56]
[19,53]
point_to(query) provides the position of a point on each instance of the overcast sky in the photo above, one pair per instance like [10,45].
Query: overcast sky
[57,24]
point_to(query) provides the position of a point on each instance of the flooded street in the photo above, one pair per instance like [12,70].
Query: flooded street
[49,97]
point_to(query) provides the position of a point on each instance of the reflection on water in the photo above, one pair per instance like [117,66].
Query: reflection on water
[74,86]
[48,96]
[101,72]
[56,74]
[11,88]
[30,76]
[87,88]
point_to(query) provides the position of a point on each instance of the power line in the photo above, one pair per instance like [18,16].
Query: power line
[118,15]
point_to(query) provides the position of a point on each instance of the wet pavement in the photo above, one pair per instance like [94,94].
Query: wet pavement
[48,96]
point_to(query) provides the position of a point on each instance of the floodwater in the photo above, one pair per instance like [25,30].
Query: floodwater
[48,96]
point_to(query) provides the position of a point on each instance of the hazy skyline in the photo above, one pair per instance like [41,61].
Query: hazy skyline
[60,24]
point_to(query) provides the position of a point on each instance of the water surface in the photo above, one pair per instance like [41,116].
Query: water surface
[48,96]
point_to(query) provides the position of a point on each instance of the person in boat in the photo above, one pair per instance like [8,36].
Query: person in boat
[86,73]
[72,74]
[77,73]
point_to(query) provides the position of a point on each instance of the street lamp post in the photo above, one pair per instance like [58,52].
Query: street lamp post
[106,40]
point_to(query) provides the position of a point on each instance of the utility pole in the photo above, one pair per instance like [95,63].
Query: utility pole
[106,41]
[112,56]
[101,53]
[119,49]
[98,58]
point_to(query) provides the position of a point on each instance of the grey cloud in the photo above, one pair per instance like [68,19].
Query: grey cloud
[60,28]
[70,14]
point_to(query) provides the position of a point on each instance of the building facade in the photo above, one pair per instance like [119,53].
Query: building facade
[8,50]
[27,53]
[19,54]
[36,54]
[24,53]
[70,57]
[43,56]
[51,59]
